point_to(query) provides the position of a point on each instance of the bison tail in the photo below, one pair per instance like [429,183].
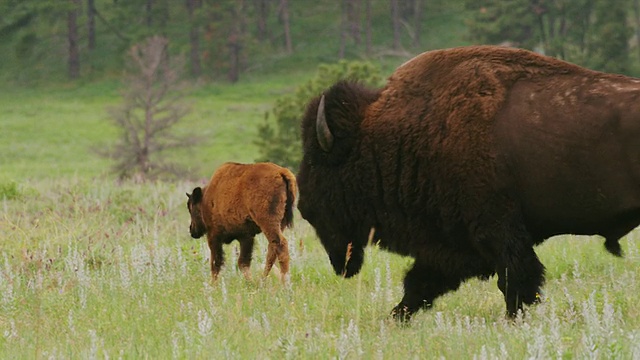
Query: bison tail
[291,188]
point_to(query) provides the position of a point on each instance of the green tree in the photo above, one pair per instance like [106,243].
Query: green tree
[503,21]
[565,28]
[587,32]
[279,141]
[610,47]
[33,30]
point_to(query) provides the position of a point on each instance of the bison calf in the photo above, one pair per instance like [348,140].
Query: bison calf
[240,201]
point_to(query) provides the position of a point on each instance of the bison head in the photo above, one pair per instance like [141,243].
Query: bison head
[330,200]
[194,204]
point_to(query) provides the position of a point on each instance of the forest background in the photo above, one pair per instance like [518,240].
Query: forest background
[48,40]
[263,51]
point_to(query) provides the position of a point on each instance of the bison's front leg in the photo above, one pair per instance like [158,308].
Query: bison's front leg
[422,285]
[520,277]
[217,255]
[246,253]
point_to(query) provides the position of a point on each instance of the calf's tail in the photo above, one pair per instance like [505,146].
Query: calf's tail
[292,189]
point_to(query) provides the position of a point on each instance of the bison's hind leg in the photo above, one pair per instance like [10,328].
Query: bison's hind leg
[502,238]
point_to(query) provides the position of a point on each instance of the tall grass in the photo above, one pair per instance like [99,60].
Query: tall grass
[92,269]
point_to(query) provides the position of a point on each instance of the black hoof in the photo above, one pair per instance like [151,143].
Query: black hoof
[401,313]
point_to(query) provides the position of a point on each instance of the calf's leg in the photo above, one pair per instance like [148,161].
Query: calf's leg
[277,249]
[269,221]
[283,256]
[246,252]
[217,255]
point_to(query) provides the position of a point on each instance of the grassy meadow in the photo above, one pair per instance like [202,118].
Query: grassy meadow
[54,131]
[93,268]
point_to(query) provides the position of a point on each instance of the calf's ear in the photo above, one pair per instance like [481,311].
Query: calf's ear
[196,196]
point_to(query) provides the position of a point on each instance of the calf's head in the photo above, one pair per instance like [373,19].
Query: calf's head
[194,204]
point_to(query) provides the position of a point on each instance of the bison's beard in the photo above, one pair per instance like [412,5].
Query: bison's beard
[347,262]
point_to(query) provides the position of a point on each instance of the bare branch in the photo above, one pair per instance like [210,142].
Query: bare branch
[152,105]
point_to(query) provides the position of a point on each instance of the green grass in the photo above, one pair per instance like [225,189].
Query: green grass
[95,269]
[53,132]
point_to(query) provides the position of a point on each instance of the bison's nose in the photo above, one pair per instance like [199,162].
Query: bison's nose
[337,263]
[347,267]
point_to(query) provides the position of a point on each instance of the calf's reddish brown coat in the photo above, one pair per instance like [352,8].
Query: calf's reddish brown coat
[240,201]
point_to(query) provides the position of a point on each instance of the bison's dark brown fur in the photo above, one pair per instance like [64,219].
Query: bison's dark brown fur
[240,201]
[465,160]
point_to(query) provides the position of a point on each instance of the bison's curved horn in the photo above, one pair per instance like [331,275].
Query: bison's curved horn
[325,138]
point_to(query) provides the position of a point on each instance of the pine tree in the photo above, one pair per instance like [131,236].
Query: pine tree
[611,34]
[504,21]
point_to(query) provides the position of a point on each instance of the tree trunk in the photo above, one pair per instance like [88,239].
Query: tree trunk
[91,24]
[235,42]
[540,11]
[551,35]
[417,21]
[395,22]
[353,20]
[194,37]
[284,16]
[234,53]
[636,17]
[262,15]
[74,52]
[343,27]
[367,27]
[562,32]
[148,13]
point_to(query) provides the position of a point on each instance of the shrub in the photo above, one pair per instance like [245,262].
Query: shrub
[9,191]
[279,141]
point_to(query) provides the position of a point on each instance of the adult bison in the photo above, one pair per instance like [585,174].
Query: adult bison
[465,160]
[240,201]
